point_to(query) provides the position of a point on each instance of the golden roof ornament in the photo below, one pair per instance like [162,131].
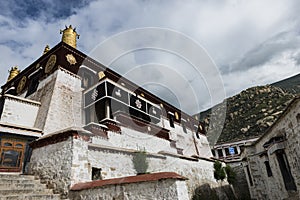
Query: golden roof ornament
[47,48]
[69,36]
[13,72]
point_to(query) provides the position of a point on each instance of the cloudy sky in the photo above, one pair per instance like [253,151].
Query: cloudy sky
[250,42]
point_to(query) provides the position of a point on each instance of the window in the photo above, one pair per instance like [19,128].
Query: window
[298,118]
[268,168]
[87,80]
[96,173]
[249,175]
[220,153]
[235,150]
[213,153]
[171,120]
[231,151]
[197,131]
[227,152]
[33,84]
[11,154]
[183,126]
[7,144]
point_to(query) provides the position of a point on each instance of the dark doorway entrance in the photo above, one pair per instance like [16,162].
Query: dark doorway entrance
[285,170]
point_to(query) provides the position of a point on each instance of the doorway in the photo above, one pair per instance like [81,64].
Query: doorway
[285,170]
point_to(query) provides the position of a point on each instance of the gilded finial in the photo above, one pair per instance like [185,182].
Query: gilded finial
[13,72]
[69,36]
[47,48]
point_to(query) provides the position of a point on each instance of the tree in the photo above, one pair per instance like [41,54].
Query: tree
[140,162]
[230,174]
[219,172]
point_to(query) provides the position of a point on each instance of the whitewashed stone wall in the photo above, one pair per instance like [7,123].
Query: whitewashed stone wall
[19,111]
[65,163]
[168,189]
[273,187]
[43,95]
[136,140]
[188,142]
[81,168]
[53,164]
[132,139]
[118,163]
[61,98]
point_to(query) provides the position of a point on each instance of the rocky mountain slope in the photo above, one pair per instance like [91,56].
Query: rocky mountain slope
[250,113]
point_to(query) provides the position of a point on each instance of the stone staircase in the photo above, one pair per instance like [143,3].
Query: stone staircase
[25,187]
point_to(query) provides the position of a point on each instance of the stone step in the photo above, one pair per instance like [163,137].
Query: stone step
[30,185]
[9,191]
[27,187]
[16,177]
[18,181]
[31,197]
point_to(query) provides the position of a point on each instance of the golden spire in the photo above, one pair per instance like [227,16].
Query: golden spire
[47,48]
[13,73]
[69,36]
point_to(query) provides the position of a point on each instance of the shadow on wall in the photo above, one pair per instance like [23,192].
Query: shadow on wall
[219,193]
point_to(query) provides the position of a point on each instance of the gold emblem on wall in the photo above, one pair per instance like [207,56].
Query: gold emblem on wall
[101,75]
[176,116]
[71,59]
[50,64]
[200,127]
[21,84]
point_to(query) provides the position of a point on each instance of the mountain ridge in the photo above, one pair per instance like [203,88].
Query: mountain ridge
[251,112]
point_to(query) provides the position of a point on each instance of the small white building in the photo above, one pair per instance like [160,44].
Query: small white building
[272,163]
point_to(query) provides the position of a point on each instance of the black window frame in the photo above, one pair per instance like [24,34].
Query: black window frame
[171,120]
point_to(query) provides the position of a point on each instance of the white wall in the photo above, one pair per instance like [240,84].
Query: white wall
[19,111]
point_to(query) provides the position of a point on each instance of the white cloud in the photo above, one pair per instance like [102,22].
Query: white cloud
[231,31]
[281,66]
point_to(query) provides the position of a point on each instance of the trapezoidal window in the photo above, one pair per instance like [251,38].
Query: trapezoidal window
[220,153]
[88,77]
[96,173]
[249,175]
[33,84]
[183,126]
[298,118]
[197,132]
[268,168]
[171,120]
